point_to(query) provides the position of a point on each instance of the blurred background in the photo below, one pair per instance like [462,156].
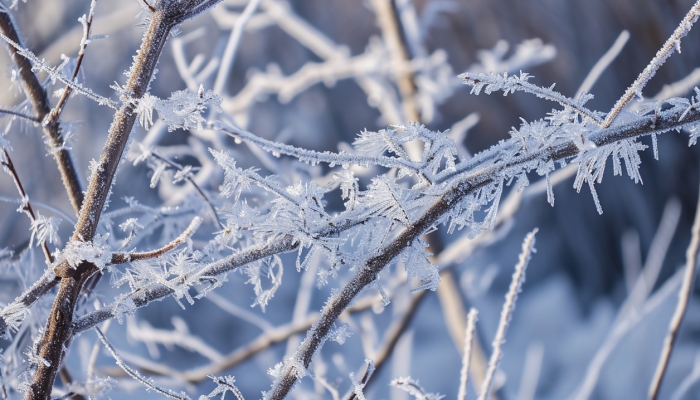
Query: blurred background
[314,74]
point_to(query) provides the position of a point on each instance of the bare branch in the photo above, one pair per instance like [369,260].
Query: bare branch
[508,307]
[683,300]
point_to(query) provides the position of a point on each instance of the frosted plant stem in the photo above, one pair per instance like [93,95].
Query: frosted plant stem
[673,42]
[507,312]
[40,101]
[9,167]
[467,357]
[684,294]
[234,40]
[134,374]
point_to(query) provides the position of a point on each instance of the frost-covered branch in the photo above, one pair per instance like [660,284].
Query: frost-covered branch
[168,14]
[44,228]
[492,82]
[120,258]
[506,313]
[86,21]
[40,100]
[315,157]
[134,374]
[461,187]
[467,355]
[673,43]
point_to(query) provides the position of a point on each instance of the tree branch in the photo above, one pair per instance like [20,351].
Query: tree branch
[684,295]
[58,328]
[39,98]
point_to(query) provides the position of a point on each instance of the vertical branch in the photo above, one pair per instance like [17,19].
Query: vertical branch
[467,357]
[506,313]
[684,294]
[39,98]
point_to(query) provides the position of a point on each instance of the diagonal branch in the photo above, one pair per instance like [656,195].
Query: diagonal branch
[39,98]
[683,300]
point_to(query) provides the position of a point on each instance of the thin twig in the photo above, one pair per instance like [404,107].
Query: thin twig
[20,115]
[55,113]
[189,179]
[673,43]
[602,64]
[120,258]
[467,356]
[684,294]
[9,167]
[506,313]
[134,374]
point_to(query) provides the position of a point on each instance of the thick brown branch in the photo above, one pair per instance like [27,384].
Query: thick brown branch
[58,327]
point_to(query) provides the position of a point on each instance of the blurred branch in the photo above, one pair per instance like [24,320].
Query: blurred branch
[683,300]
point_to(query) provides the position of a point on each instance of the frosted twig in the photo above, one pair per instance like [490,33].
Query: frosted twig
[313,157]
[363,382]
[188,178]
[120,258]
[55,74]
[467,356]
[229,55]
[509,84]
[602,64]
[86,21]
[26,207]
[134,374]
[681,307]
[673,43]
[506,313]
